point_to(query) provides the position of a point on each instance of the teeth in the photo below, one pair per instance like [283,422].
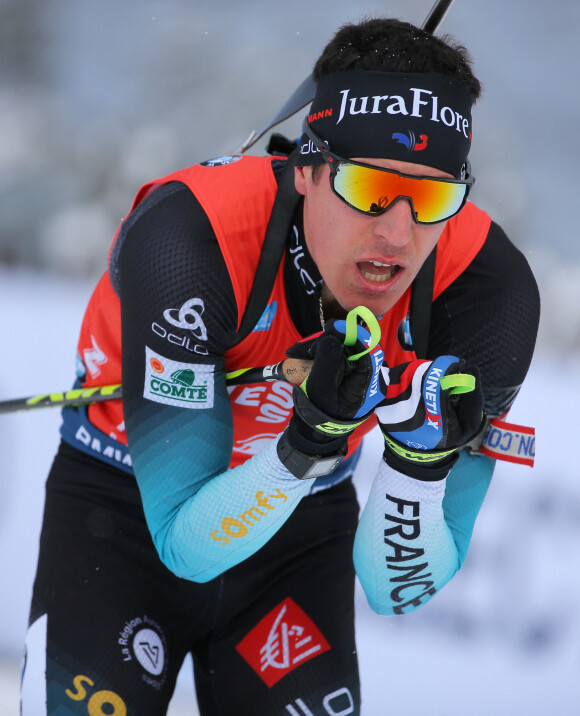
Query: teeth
[378,263]
[381,277]
[377,271]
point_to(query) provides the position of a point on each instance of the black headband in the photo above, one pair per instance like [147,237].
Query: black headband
[420,117]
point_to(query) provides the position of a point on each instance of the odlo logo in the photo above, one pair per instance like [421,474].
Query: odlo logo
[185,385]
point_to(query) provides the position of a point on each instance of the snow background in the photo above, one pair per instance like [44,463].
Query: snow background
[97,97]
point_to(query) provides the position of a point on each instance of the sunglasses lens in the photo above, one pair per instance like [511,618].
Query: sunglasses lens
[371,190]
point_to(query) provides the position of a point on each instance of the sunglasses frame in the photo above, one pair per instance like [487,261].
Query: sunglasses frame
[334,161]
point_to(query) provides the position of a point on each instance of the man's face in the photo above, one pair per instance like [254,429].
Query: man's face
[365,260]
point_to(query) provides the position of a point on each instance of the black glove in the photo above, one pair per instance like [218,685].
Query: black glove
[431,409]
[344,386]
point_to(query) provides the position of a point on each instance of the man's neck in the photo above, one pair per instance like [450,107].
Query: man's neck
[331,308]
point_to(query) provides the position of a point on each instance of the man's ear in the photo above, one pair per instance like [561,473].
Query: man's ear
[301,177]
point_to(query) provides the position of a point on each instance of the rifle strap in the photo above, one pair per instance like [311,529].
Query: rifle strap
[421,302]
[281,218]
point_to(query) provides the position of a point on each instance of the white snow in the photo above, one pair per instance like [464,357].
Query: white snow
[502,638]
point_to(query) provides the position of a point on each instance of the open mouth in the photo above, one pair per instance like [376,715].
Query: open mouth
[378,272]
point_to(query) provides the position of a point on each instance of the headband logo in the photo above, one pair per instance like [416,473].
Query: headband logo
[396,104]
[309,148]
[320,115]
[410,142]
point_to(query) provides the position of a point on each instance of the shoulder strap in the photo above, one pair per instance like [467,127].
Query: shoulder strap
[285,204]
[421,302]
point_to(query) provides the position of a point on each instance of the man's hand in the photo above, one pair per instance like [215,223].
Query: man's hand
[431,409]
[344,386]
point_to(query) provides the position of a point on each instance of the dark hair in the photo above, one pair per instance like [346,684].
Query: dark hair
[390,45]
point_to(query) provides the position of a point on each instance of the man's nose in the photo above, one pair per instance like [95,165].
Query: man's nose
[395,225]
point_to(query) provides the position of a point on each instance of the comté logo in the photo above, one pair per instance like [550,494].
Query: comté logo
[184,385]
[283,640]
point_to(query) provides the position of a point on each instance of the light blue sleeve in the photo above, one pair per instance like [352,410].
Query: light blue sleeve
[413,535]
[466,488]
[203,517]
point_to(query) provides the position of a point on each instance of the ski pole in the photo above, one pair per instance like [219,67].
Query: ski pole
[304,93]
[76,396]
[291,370]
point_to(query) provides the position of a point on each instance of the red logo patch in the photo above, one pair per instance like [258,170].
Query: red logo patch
[283,640]
[157,365]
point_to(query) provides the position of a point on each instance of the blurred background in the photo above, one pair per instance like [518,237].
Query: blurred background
[97,97]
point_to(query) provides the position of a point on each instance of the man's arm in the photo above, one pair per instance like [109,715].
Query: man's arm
[489,316]
[178,314]
[414,534]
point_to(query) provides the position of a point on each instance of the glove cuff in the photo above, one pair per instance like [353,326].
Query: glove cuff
[426,465]
[323,426]
[304,438]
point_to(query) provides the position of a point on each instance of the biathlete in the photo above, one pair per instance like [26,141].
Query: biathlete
[221,520]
